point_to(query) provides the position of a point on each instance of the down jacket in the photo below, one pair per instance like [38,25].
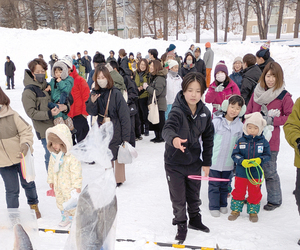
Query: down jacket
[195,128]
[14,131]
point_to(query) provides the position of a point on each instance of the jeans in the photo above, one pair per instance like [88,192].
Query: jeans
[47,153]
[218,190]
[169,107]
[272,180]
[10,79]
[12,188]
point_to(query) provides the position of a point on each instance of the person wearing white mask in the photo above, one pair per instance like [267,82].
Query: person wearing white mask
[222,88]
[188,64]
[174,81]
[107,103]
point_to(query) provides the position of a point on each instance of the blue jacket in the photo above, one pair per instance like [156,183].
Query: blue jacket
[237,78]
[248,147]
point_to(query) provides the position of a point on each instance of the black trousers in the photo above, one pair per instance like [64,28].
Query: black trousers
[159,127]
[82,127]
[297,192]
[10,80]
[143,114]
[184,191]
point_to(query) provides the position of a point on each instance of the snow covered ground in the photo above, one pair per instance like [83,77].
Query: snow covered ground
[144,207]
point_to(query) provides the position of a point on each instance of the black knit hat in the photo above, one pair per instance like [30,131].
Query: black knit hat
[99,58]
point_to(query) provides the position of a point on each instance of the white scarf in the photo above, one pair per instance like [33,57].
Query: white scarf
[58,160]
[262,96]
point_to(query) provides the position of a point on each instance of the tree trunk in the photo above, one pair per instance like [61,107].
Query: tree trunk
[279,23]
[297,20]
[215,21]
[33,16]
[154,17]
[113,2]
[165,9]
[245,20]
[91,12]
[240,13]
[177,18]
[67,15]
[228,8]
[205,26]
[197,21]
[138,7]
[86,23]
[51,15]
[77,18]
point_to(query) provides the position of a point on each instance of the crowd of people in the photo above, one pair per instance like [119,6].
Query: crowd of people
[241,138]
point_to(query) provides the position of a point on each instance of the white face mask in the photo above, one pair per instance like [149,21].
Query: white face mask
[102,83]
[220,77]
[189,62]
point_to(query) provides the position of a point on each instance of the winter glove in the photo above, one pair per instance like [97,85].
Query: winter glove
[256,160]
[145,85]
[268,119]
[220,88]
[274,113]
[268,132]
[23,150]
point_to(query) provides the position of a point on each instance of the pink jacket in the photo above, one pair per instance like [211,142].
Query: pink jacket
[218,97]
[285,105]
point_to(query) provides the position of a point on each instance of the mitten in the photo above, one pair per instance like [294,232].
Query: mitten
[256,160]
[268,119]
[274,113]
[23,150]
[246,164]
[220,88]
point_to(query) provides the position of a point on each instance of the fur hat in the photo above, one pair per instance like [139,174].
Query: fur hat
[207,45]
[171,47]
[255,119]
[60,134]
[63,66]
[172,63]
[221,66]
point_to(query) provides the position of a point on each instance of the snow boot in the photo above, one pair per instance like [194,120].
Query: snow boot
[270,207]
[233,216]
[36,209]
[224,210]
[196,224]
[65,219]
[215,213]
[253,217]
[181,232]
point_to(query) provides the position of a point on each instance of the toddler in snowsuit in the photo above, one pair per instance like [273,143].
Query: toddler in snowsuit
[251,147]
[228,129]
[61,85]
[64,172]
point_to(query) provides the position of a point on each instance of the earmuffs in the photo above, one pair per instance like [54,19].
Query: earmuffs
[225,104]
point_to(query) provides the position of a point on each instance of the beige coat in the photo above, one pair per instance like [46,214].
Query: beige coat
[14,131]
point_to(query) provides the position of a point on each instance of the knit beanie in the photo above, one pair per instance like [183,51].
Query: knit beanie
[264,51]
[221,67]
[131,54]
[171,47]
[266,45]
[68,61]
[255,119]
[237,59]
[207,45]
[172,63]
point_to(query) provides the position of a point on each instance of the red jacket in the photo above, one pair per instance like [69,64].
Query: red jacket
[218,97]
[80,93]
[285,105]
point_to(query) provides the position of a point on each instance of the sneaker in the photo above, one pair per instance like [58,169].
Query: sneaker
[65,221]
[253,217]
[7,88]
[146,133]
[215,213]
[270,206]
[153,140]
[224,210]
[139,138]
[159,140]
[233,216]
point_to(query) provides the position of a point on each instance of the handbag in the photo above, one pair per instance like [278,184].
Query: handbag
[153,115]
[105,116]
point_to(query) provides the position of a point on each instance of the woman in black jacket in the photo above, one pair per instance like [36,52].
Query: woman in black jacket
[106,95]
[189,123]
[188,65]
[123,63]
[157,82]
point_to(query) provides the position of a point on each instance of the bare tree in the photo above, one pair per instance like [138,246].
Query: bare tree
[239,11]
[33,16]
[197,21]
[215,21]
[67,15]
[165,10]
[245,20]
[205,15]
[91,13]
[77,17]
[228,4]
[154,18]
[279,23]
[177,18]
[113,2]
[297,20]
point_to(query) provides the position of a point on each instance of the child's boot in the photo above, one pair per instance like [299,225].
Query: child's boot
[233,216]
[65,220]
[36,209]
[58,120]
[236,207]
[252,210]
[181,232]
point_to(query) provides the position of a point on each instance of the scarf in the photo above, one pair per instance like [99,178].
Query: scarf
[58,160]
[188,66]
[262,96]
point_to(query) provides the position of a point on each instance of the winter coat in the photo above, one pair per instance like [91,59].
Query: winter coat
[218,97]
[132,92]
[226,136]
[139,83]
[132,65]
[200,66]
[118,113]
[124,68]
[14,131]
[208,58]
[80,93]
[173,87]
[75,63]
[87,62]
[35,102]
[69,176]
[109,59]
[187,69]
[9,68]
[183,124]
[292,130]
[284,104]
[90,78]
[250,78]
[237,78]
[248,147]
[58,88]
[118,81]
[263,65]
[81,67]
[158,83]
